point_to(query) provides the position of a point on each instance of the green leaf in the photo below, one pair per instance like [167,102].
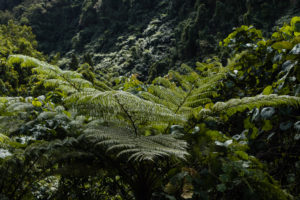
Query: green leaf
[295,22]
[254,133]
[3,138]
[224,178]
[268,90]
[247,123]
[282,45]
[221,187]
[267,126]
[242,155]
[36,103]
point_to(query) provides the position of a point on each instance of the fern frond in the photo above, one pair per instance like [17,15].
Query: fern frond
[20,106]
[3,138]
[201,95]
[163,82]
[168,94]
[124,143]
[197,102]
[121,105]
[155,99]
[238,105]
[66,81]
[50,69]
[181,80]
[102,85]
[182,93]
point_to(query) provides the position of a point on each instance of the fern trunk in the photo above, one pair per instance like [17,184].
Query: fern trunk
[144,181]
[142,191]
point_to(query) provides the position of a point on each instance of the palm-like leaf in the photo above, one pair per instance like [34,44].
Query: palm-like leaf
[124,143]
[120,105]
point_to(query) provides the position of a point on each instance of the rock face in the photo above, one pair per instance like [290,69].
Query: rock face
[141,36]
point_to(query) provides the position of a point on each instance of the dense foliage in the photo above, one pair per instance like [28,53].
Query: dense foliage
[148,37]
[211,131]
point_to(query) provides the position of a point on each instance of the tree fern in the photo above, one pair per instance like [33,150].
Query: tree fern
[129,117]
[118,109]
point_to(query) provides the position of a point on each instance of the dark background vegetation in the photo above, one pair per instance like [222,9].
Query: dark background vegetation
[141,36]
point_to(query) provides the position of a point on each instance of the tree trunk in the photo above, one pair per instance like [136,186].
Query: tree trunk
[143,191]
[143,183]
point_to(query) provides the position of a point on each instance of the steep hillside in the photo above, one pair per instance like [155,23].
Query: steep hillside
[141,36]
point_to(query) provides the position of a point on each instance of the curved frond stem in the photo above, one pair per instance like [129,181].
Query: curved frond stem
[128,115]
[180,105]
